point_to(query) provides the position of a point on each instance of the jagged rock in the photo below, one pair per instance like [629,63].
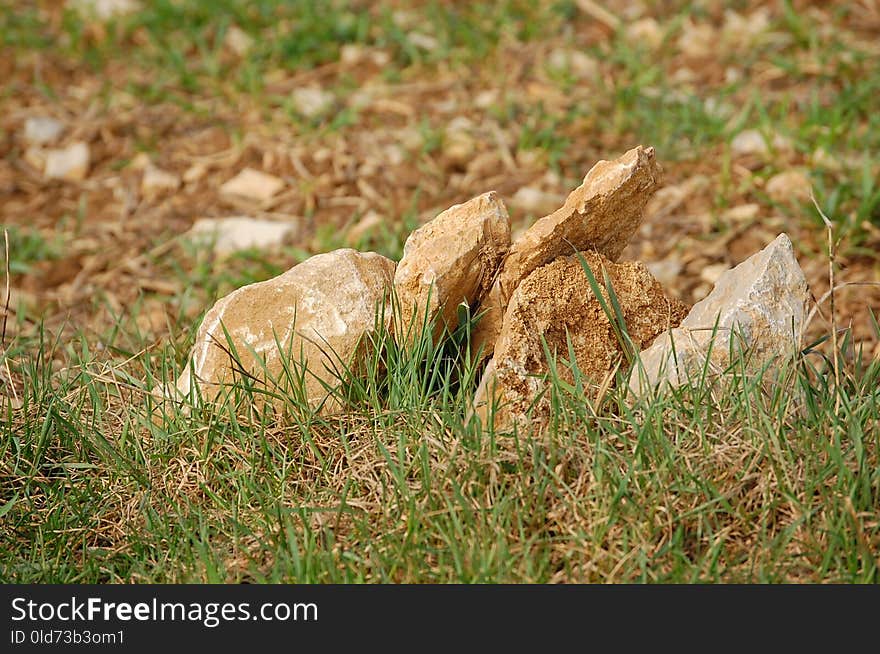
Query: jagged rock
[555,305]
[70,163]
[40,130]
[318,312]
[601,214]
[228,235]
[453,258]
[253,185]
[759,306]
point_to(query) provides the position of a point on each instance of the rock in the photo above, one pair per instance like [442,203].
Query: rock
[601,214]
[741,213]
[253,185]
[156,180]
[760,309]
[555,305]
[40,130]
[712,273]
[104,9]
[789,187]
[573,62]
[666,272]
[452,259]
[645,31]
[312,101]
[751,142]
[70,163]
[318,312]
[534,200]
[238,41]
[229,235]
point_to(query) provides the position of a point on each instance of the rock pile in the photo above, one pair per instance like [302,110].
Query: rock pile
[533,296]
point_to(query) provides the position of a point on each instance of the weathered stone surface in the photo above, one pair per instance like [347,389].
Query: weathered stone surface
[39,130]
[70,163]
[453,258]
[601,214]
[228,235]
[759,306]
[556,305]
[319,312]
[253,185]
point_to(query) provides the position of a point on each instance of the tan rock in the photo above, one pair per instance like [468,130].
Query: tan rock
[253,185]
[789,187]
[156,180]
[70,163]
[601,214]
[238,41]
[555,305]
[759,307]
[452,259]
[318,312]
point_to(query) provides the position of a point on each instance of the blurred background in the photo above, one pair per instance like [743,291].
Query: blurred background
[124,123]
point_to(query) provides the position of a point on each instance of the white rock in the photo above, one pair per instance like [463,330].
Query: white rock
[103,9]
[318,313]
[760,310]
[70,163]
[253,185]
[312,101]
[228,235]
[751,142]
[40,130]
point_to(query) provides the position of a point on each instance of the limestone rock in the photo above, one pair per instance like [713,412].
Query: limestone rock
[601,214]
[253,185]
[319,311]
[70,163]
[39,130]
[453,258]
[228,235]
[759,306]
[555,305]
